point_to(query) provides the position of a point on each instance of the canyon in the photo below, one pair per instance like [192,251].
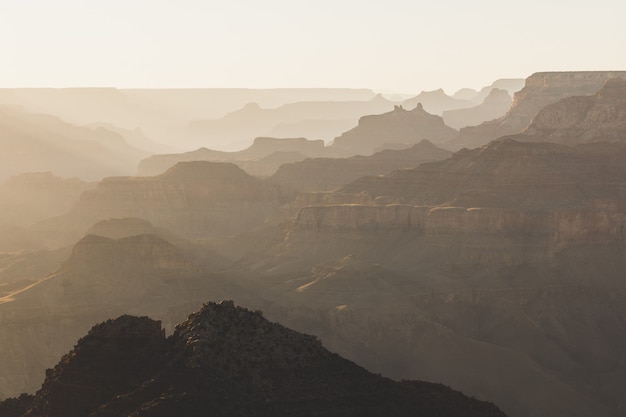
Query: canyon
[496,270]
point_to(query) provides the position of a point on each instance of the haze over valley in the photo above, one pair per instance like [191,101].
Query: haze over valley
[347,209]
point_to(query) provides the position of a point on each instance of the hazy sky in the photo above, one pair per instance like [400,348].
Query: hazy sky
[407,46]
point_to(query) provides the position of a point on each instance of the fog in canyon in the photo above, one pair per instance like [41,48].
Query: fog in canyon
[449,255]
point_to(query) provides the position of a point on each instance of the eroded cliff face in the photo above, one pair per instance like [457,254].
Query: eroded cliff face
[504,205]
[540,90]
[583,119]
[399,126]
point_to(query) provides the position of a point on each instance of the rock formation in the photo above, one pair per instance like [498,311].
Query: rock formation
[495,105]
[510,85]
[436,102]
[140,274]
[163,114]
[237,128]
[252,157]
[540,90]
[193,199]
[583,119]
[513,234]
[329,174]
[399,126]
[230,361]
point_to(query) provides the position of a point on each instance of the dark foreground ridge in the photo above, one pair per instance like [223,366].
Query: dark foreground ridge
[223,361]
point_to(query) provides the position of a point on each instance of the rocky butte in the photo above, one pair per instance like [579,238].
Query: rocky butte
[400,126]
[223,361]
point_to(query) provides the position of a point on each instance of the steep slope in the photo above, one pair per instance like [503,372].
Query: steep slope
[38,142]
[399,126]
[328,174]
[233,362]
[495,105]
[540,90]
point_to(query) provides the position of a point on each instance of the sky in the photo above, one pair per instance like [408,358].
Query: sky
[387,45]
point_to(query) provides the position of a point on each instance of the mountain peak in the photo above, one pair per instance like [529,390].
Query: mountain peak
[231,361]
[223,335]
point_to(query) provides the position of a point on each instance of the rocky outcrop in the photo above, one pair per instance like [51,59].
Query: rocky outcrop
[398,126]
[583,119]
[250,157]
[230,361]
[115,356]
[540,90]
[495,105]
[329,174]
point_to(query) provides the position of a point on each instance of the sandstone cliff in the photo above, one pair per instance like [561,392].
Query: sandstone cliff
[540,90]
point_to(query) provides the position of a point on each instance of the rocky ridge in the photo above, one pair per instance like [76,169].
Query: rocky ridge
[228,360]
[399,126]
[583,119]
[328,174]
[193,199]
[250,158]
[540,90]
